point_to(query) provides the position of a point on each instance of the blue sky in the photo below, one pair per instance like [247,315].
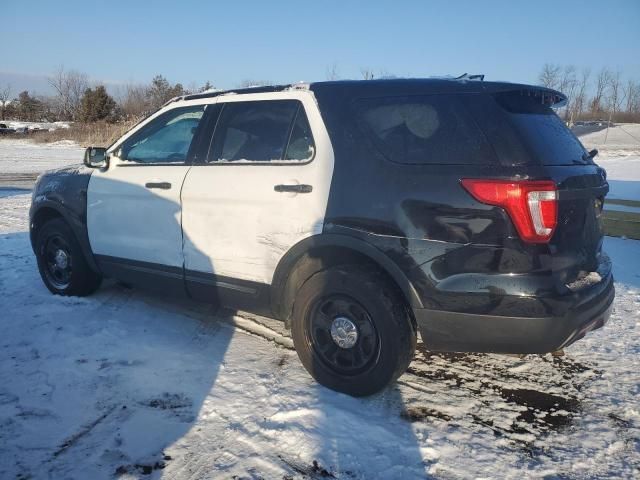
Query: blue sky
[228,42]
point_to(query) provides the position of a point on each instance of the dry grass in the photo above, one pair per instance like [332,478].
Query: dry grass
[98,134]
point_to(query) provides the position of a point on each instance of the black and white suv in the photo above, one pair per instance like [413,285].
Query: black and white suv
[358,212]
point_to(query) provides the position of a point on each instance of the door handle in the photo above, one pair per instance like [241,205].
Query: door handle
[161,185]
[294,188]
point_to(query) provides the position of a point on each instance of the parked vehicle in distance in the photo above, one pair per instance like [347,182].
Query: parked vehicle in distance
[358,212]
[4,129]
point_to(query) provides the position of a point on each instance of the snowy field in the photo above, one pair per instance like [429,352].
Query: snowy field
[129,385]
[37,125]
[623,175]
[620,156]
[621,140]
[25,156]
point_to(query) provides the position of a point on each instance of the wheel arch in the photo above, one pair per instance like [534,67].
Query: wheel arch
[45,211]
[42,215]
[322,251]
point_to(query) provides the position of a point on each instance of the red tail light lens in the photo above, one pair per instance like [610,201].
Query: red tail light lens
[532,205]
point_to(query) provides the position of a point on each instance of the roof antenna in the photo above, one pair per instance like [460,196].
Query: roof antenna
[466,76]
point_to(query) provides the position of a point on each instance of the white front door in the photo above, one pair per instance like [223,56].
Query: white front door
[263,187]
[133,207]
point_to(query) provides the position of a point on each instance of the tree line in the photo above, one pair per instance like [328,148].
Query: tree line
[604,95]
[74,99]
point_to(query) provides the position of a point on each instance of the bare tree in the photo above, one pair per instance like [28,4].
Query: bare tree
[635,103]
[613,99]
[70,87]
[191,88]
[5,95]
[550,75]
[47,107]
[567,84]
[386,74]
[602,82]
[615,95]
[332,72]
[367,73]
[253,83]
[134,102]
[632,96]
[580,100]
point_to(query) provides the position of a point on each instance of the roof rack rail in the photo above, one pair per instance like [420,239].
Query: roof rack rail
[171,100]
[262,89]
[466,76]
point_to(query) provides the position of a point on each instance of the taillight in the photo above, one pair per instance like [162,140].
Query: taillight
[532,205]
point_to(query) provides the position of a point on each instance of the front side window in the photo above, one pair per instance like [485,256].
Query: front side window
[262,131]
[166,139]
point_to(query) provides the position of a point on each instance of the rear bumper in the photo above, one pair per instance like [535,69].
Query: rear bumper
[465,332]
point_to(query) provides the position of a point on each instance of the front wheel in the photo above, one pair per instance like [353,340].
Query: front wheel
[351,330]
[61,262]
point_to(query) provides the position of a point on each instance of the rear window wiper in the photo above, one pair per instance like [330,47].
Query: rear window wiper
[588,156]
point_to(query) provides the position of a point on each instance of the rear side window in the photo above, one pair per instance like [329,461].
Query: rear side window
[262,131]
[542,132]
[434,129]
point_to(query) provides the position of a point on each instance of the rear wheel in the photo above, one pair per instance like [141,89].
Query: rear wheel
[351,330]
[62,265]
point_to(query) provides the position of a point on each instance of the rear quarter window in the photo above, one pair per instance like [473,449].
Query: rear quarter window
[432,129]
[546,137]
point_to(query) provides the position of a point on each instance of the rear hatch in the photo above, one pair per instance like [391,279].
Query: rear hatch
[551,151]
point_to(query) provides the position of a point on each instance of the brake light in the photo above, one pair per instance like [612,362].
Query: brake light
[532,205]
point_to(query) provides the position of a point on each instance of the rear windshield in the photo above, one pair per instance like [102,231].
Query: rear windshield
[432,129]
[543,133]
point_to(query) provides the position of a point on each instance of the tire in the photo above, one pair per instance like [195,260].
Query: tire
[383,345]
[66,273]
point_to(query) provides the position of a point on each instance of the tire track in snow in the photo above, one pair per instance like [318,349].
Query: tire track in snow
[532,404]
[85,430]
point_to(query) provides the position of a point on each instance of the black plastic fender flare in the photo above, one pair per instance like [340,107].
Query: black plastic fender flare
[295,253]
[77,222]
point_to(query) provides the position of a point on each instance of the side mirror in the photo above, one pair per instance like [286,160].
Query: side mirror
[95,157]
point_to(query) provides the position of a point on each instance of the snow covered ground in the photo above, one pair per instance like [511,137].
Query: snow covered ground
[622,139]
[130,385]
[25,156]
[623,174]
[38,125]
[620,156]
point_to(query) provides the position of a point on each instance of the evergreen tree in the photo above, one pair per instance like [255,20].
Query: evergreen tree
[29,108]
[161,91]
[206,86]
[97,104]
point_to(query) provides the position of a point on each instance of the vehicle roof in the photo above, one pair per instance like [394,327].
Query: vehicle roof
[425,86]
[397,86]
